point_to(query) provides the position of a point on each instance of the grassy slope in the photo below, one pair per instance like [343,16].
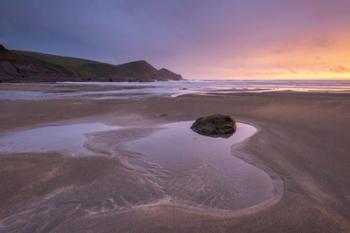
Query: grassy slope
[33,66]
[91,68]
[70,62]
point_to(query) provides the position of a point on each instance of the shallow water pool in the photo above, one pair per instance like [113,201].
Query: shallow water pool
[202,170]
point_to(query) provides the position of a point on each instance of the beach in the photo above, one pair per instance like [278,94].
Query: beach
[302,143]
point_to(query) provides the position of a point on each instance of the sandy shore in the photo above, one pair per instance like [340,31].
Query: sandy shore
[302,139]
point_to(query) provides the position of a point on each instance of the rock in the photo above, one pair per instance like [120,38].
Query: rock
[216,125]
[165,74]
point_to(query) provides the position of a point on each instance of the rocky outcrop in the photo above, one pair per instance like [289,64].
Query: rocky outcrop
[168,75]
[21,66]
[216,125]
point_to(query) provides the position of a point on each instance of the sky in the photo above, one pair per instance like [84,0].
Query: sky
[200,39]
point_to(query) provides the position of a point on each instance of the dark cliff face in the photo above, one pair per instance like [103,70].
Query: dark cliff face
[20,66]
[169,75]
[8,71]
[6,55]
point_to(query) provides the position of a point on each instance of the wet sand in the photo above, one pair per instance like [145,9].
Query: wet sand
[302,139]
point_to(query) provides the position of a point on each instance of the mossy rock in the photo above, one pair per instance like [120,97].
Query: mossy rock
[216,125]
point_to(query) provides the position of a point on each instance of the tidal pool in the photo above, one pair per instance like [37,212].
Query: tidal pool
[203,171]
[190,169]
[61,138]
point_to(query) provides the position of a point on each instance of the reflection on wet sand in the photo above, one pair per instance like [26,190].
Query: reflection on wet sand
[60,138]
[187,168]
[161,166]
[200,170]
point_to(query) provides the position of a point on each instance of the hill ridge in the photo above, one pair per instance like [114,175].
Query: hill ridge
[26,66]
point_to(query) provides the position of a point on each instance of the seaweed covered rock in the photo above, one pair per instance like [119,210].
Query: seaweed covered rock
[216,125]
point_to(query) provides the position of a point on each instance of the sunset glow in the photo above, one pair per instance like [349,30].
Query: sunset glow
[325,57]
[199,39]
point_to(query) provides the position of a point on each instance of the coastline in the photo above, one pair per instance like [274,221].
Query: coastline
[288,143]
